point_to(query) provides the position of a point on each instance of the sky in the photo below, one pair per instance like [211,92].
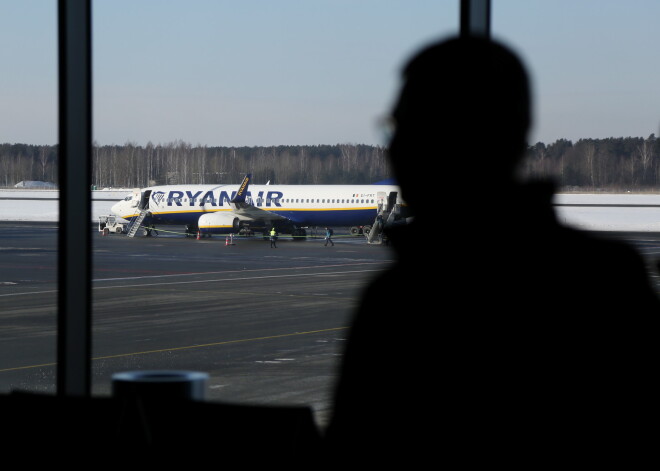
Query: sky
[300,72]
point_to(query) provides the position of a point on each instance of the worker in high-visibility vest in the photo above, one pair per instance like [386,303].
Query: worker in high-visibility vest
[273,238]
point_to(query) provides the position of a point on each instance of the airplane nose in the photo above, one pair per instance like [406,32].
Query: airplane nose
[116,209]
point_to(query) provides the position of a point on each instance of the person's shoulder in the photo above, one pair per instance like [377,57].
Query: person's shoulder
[614,264]
[607,245]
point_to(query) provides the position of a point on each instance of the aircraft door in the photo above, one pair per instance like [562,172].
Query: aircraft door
[135,199]
[381,199]
[144,201]
[392,200]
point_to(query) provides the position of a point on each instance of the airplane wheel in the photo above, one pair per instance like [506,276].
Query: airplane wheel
[299,234]
[355,231]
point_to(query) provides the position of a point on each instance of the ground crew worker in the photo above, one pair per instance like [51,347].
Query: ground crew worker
[328,236]
[273,238]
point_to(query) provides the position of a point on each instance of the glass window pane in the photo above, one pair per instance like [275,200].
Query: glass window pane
[594,88]
[28,214]
[596,110]
[179,94]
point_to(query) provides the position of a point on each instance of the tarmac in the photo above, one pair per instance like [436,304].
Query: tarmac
[267,324]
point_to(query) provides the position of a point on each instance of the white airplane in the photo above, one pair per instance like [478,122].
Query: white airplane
[232,209]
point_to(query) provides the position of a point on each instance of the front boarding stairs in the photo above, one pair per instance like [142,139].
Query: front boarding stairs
[136,223]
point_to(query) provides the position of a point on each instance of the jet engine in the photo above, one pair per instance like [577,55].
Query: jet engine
[218,223]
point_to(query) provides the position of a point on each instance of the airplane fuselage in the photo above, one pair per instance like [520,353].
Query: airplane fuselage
[281,205]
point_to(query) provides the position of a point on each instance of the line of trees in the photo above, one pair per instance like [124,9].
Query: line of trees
[22,162]
[179,162]
[131,165]
[612,164]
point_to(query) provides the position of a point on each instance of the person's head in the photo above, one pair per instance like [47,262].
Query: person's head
[464,108]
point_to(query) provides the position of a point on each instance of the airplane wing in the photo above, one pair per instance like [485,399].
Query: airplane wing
[246,210]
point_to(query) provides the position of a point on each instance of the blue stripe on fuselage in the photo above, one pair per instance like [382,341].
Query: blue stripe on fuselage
[303,217]
[330,217]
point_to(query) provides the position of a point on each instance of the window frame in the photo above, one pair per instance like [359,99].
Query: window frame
[75,143]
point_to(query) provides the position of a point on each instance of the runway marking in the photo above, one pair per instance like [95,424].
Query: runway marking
[190,347]
[138,286]
[237,279]
[237,271]
[13,249]
[340,296]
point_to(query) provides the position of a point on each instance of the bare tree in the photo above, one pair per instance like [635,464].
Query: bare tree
[646,157]
[43,160]
[589,155]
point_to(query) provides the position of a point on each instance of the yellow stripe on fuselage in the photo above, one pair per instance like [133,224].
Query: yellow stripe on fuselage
[274,210]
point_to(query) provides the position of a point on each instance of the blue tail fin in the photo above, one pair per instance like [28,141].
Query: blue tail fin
[242,190]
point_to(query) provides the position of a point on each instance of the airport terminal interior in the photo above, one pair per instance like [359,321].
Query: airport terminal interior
[158,414]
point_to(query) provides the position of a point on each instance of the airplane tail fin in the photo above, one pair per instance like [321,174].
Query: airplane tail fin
[242,190]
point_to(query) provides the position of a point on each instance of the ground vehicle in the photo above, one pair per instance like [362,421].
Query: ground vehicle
[108,224]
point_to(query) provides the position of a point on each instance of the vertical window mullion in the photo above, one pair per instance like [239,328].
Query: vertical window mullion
[74,241]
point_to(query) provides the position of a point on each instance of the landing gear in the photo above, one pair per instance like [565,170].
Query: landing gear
[299,234]
[197,234]
[191,230]
[360,230]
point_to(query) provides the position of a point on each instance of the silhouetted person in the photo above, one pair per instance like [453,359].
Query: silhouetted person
[518,340]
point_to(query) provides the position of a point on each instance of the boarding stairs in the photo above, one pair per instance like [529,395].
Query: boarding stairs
[387,214]
[135,224]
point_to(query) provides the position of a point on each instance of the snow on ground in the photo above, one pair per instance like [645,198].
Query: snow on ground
[630,218]
[591,218]
[13,209]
